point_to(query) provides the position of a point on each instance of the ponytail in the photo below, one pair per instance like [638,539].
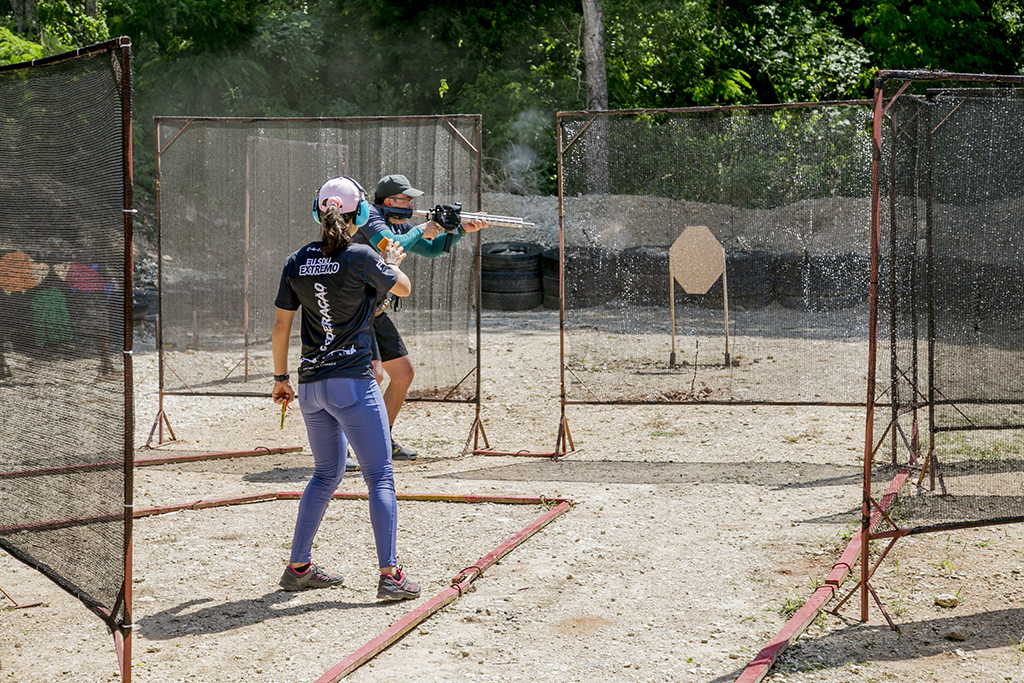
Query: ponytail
[334,230]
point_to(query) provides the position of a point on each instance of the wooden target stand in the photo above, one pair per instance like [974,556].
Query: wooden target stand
[697,259]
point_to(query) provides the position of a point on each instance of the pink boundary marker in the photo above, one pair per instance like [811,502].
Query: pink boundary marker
[798,623]
[459,583]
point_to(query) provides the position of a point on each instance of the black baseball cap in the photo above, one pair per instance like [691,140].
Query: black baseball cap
[393,184]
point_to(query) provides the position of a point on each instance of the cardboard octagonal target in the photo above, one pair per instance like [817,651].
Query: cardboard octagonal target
[696,259]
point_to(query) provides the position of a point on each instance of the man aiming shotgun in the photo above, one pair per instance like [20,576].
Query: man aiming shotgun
[393,206]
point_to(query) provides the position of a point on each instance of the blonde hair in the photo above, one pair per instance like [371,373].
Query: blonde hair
[334,230]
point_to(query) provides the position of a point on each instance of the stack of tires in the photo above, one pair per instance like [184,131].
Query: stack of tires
[510,278]
[589,276]
[642,276]
[750,282]
[821,282]
[643,280]
[549,277]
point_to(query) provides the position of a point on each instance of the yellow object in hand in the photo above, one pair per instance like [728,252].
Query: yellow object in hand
[284,407]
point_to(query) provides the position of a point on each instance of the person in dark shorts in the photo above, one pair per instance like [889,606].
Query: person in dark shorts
[336,284]
[392,208]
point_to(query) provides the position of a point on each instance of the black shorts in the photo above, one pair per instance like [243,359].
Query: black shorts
[388,340]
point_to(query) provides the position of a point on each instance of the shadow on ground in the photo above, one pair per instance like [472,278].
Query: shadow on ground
[205,616]
[760,473]
[862,644]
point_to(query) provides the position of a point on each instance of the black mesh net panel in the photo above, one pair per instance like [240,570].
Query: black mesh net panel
[784,192]
[63,386]
[951,333]
[236,198]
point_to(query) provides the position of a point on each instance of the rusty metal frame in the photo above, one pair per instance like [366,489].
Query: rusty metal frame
[119,50]
[475,146]
[460,583]
[16,604]
[563,441]
[869,506]
[563,438]
[123,636]
[590,116]
[798,623]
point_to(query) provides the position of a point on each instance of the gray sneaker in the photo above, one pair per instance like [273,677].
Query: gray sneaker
[398,587]
[351,464]
[401,452]
[313,577]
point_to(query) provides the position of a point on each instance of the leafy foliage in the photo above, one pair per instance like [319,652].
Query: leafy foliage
[655,57]
[14,50]
[514,63]
[952,35]
[755,159]
[796,55]
[68,27]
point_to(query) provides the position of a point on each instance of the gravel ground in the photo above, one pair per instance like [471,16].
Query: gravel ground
[694,535]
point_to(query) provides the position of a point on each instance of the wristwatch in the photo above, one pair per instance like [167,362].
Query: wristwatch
[281,378]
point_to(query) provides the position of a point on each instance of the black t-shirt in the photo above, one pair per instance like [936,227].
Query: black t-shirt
[337,295]
[376,224]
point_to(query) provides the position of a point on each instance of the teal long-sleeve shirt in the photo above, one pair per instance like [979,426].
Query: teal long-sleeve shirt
[409,237]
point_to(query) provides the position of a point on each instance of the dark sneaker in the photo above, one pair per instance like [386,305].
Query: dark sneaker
[398,587]
[402,453]
[313,577]
[351,464]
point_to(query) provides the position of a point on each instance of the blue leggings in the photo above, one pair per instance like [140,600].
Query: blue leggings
[336,411]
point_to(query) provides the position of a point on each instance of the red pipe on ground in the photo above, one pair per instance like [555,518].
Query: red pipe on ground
[214,456]
[459,584]
[759,666]
[445,597]
[295,495]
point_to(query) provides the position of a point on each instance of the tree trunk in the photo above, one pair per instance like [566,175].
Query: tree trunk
[91,8]
[598,181]
[25,17]
[593,54]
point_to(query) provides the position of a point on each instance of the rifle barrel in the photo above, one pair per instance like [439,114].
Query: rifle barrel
[504,221]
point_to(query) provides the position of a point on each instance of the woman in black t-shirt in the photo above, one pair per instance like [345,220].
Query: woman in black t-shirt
[336,283]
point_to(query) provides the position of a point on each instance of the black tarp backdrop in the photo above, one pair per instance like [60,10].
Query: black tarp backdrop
[951,281]
[235,198]
[784,189]
[65,325]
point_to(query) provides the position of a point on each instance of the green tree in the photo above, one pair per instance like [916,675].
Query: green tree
[514,63]
[47,27]
[794,53]
[659,55]
[170,27]
[65,25]
[950,35]
[14,49]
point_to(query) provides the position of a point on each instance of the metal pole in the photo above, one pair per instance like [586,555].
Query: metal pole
[915,363]
[672,309]
[725,307]
[893,266]
[930,270]
[479,264]
[129,415]
[159,299]
[561,279]
[245,265]
[869,434]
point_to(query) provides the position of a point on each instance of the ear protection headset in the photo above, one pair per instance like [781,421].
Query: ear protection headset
[362,212]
